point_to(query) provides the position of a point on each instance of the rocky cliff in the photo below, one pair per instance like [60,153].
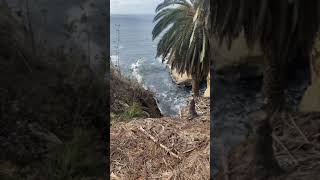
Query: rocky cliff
[238,60]
[127,96]
[311,99]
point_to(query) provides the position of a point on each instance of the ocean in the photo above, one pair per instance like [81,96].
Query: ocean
[137,54]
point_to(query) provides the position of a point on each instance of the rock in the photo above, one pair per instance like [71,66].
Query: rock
[125,91]
[207,92]
[315,63]
[181,79]
[239,61]
[311,98]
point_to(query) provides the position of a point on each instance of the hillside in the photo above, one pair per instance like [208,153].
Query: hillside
[162,148]
[128,98]
[52,108]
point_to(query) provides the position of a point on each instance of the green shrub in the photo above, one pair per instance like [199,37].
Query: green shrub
[76,159]
[133,111]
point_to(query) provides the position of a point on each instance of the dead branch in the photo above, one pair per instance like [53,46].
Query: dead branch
[285,148]
[161,145]
[298,129]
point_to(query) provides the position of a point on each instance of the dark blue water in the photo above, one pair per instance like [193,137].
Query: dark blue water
[137,60]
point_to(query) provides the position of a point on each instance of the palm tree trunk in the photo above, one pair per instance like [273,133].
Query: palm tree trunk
[273,83]
[196,86]
[266,165]
[273,89]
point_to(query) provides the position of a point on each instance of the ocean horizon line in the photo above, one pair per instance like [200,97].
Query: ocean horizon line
[131,14]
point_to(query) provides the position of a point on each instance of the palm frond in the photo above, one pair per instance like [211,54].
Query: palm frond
[184,42]
[276,25]
[167,3]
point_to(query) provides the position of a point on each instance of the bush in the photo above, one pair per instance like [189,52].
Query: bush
[74,160]
[133,111]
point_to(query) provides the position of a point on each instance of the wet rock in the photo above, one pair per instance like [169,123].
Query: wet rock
[181,79]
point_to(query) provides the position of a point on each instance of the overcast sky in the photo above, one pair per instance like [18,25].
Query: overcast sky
[133,6]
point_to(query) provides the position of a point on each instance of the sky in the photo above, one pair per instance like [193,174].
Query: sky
[133,6]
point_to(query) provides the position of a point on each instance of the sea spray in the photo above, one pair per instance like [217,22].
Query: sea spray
[138,51]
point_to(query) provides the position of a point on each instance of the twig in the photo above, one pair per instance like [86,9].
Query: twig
[302,142]
[189,150]
[285,148]
[161,145]
[299,130]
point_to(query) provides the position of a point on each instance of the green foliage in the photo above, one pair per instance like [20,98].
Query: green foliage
[75,159]
[133,111]
[184,44]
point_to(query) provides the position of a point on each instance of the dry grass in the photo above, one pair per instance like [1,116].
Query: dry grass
[164,148]
[126,93]
[297,149]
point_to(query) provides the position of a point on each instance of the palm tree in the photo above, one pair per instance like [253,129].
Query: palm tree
[184,43]
[279,27]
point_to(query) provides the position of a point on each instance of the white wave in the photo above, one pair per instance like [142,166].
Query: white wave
[136,71]
[159,59]
[113,59]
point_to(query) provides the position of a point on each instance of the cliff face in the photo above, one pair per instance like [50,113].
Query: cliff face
[311,99]
[239,61]
[128,95]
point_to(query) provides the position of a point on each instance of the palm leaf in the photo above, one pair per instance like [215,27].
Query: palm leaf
[183,36]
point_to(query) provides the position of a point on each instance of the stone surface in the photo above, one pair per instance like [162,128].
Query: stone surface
[181,79]
[239,61]
[311,99]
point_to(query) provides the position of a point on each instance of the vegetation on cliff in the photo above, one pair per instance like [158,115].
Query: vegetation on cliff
[52,109]
[128,99]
